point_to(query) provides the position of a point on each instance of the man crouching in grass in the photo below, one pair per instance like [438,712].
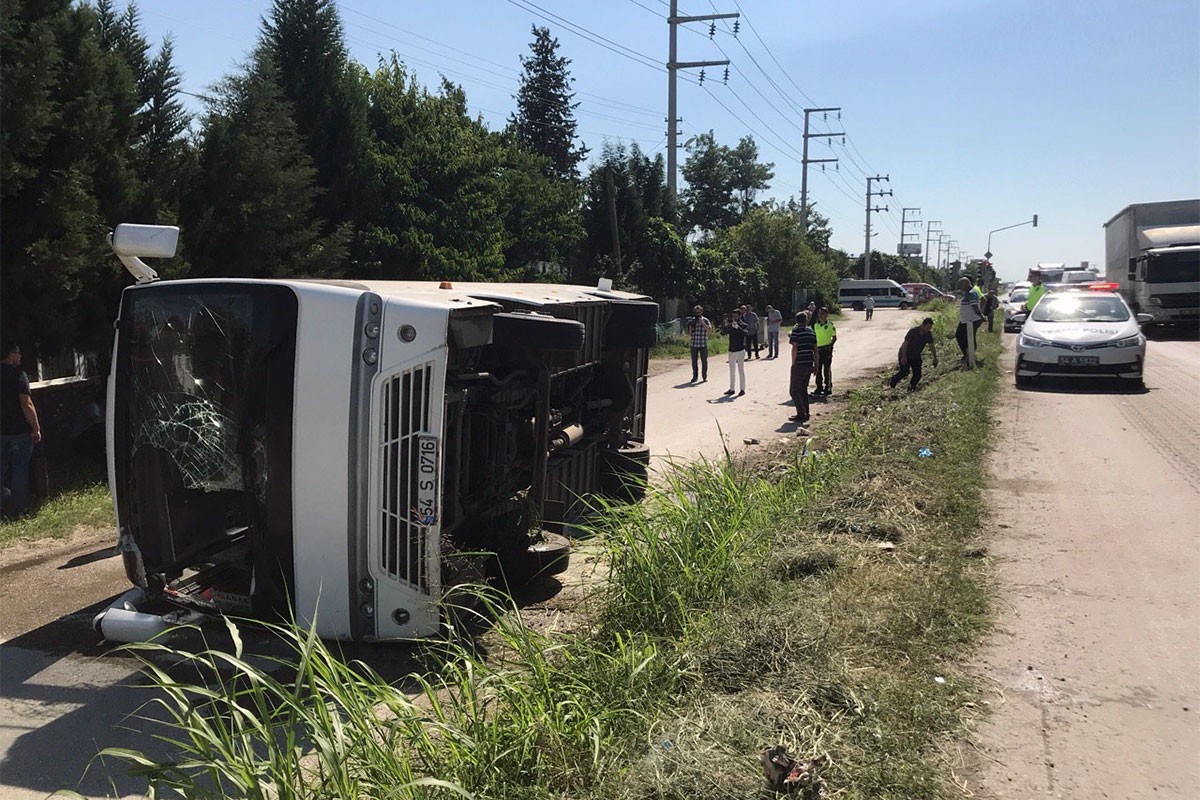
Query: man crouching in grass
[910,353]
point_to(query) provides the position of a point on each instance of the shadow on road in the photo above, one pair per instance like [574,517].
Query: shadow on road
[1172,333]
[108,551]
[1084,386]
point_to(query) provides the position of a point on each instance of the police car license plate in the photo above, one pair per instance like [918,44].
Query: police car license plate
[1079,361]
[425,512]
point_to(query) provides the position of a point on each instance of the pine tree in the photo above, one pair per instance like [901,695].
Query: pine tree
[162,156]
[305,41]
[545,117]
[249,211]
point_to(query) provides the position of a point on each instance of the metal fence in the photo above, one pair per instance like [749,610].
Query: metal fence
[666,330]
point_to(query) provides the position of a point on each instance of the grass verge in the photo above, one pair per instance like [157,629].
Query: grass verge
[820,599]
[77,497]
[680,346]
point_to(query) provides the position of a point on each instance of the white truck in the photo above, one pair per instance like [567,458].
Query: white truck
[1152,251]
[345,450]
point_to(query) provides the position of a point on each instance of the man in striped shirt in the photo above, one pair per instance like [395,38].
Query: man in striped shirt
[804,356]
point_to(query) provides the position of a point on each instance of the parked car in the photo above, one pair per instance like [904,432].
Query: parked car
[1013,305]
[1089,333]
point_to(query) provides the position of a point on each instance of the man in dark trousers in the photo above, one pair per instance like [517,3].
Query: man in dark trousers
[19,432]
[750,323]
[826,337]
[804,356]
[699,327]
[969,314]
[910,353]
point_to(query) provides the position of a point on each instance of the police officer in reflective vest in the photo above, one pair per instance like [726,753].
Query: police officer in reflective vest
[1036,290]
[826,336]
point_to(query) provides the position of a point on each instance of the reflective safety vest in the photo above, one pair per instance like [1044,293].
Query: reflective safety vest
[825,332]
[1035,293]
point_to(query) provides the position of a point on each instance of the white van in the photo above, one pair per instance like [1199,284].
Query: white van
[887,294]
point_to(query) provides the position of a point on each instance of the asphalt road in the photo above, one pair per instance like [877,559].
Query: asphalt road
[64,696]
[1096,512]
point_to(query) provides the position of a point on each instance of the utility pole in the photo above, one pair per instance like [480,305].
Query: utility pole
[612,219]
[870,194]
[804,162]
[673,66]
[929,232]
[904,234]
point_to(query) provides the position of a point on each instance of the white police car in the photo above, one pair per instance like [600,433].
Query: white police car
[1089,332]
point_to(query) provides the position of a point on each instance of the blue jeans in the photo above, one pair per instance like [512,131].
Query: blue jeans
[772,344]
[15,453]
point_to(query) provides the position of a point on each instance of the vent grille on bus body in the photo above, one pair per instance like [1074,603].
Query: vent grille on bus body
[404,549]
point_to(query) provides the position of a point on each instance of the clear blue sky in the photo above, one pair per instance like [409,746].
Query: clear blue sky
[982,112]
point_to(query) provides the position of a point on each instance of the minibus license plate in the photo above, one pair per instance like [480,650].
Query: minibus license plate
[426,510]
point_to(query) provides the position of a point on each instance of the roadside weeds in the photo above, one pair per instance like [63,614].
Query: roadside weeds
[823,601]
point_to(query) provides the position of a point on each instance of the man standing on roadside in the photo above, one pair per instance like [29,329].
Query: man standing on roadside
[969,313]
[699,327]
[19,432]
[804,355]
[737,350]
[750,321]
[910,353]
[774,320]
[1036,289]
[990,304]
[826,334]
[869,307]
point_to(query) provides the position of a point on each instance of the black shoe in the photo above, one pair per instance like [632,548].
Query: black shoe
[742,392]
[704,379]
[729,392]
[794,418]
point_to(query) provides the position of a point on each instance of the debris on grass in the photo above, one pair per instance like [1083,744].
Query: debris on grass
[791,776]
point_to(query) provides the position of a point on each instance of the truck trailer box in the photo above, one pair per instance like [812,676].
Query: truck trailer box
[1152,251]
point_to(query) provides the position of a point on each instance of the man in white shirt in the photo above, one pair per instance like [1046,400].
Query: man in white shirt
[774,320]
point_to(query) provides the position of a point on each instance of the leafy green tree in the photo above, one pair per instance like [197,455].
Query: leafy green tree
[638,186]
[707,200]
[540,212]
[747,176]
[723,281]
[721,182]
[545,118]
[887,266]
[437,181]
[771,238]
[666,266]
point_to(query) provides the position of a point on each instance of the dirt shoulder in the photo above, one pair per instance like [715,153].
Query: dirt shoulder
[1096,499]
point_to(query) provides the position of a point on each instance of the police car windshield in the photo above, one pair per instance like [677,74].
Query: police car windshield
[1081,307]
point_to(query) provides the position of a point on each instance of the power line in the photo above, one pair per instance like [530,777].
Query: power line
[585,33]
[772,55]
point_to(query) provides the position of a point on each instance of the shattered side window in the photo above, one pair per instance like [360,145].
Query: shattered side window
[188,361]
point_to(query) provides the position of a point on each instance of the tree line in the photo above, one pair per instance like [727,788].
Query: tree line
[305,163]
